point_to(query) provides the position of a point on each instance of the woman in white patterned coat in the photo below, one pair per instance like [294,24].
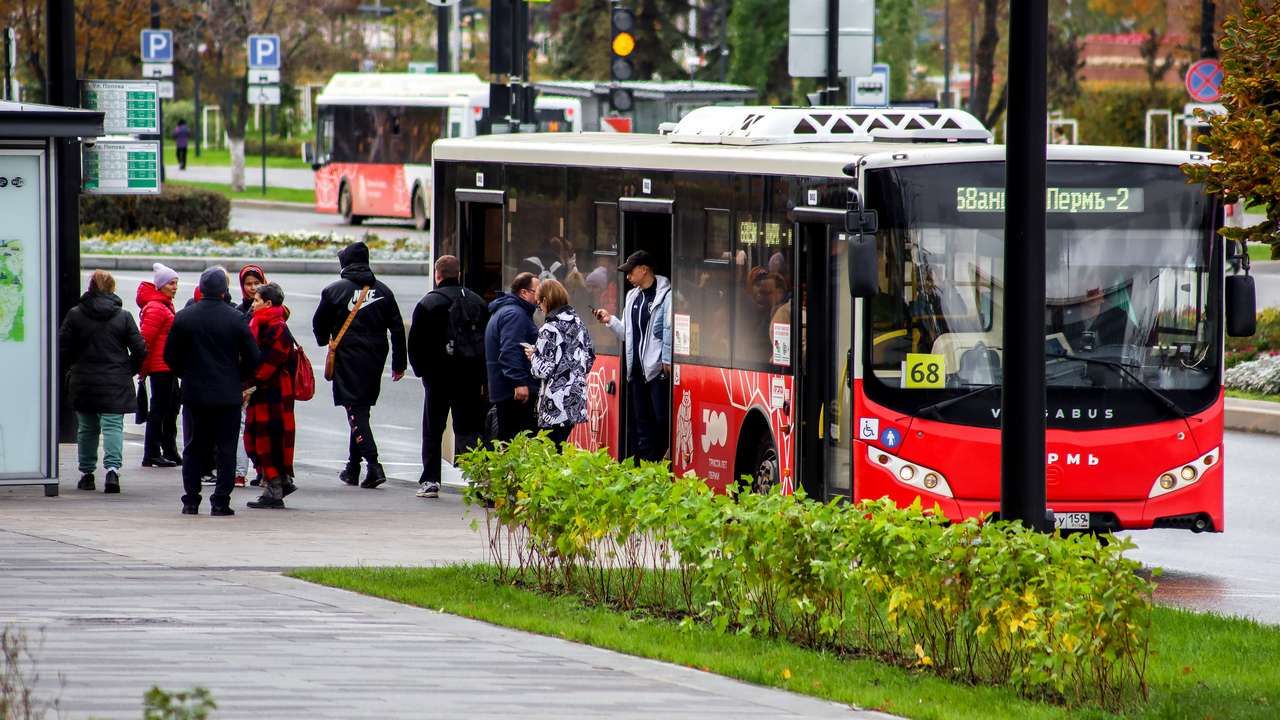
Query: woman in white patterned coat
[562,358]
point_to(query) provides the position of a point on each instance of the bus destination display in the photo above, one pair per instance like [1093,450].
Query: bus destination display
[1057,200]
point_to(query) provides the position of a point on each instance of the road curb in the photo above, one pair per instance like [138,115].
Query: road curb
[272,205]
[269,265]
[1255,416]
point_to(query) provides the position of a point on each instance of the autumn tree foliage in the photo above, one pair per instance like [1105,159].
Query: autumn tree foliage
[1245,142]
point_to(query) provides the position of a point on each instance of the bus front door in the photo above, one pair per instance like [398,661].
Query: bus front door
[481,225]
[645,224]
[824,369]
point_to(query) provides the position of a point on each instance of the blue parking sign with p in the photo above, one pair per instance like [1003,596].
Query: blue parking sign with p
[157,46]
[264,52]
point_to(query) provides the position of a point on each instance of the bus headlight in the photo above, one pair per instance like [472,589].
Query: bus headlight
[909,473]
[1186,475]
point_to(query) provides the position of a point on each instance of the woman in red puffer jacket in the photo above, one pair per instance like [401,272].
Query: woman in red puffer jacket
[155,301]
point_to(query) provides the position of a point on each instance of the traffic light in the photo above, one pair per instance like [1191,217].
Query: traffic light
[622,44]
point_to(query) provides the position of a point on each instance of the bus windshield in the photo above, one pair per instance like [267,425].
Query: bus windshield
[1130,283]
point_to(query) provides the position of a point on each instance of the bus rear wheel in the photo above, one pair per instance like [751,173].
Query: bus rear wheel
[766,472]
[419,210]
[344,206]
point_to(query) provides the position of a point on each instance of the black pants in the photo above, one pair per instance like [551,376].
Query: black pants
[214,429]
[559,434]
[464,399]
[515,417]
[362,444]
[160,439]
[182,157]
[648,417]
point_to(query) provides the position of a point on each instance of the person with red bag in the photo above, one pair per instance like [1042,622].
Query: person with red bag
[269,421]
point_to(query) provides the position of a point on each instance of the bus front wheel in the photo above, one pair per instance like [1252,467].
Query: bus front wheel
[419,210]
[344,206]
[765,470]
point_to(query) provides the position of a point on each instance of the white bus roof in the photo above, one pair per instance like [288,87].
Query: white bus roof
[818,159]
[431,89]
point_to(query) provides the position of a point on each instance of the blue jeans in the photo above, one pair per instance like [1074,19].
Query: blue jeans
[111,427]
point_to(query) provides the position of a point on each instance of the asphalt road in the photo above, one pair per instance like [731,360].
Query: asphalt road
[252,219]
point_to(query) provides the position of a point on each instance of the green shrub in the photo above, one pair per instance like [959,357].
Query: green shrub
[1116,114]
[1265,341]
[175,110]
[276,146]
[184,210]
[1060,619]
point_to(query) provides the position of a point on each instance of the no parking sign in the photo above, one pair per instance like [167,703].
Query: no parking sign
[1204,80]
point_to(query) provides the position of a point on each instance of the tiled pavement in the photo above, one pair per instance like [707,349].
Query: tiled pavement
[122,592]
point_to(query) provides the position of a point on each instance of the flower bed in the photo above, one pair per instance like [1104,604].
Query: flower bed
[1261,376]
[297,245]
[1061,619]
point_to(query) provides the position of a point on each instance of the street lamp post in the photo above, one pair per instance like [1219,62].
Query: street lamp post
[1022,423]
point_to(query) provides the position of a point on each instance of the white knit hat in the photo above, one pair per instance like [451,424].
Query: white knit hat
[162,275]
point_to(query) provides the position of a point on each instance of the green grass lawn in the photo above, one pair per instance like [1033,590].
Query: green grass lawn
[1202,666]
[254,192]
[1245,394]
[222,157]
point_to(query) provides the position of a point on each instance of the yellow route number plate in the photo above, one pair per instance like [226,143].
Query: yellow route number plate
[925,371]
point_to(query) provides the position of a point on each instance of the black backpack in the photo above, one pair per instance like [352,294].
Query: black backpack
[468,315]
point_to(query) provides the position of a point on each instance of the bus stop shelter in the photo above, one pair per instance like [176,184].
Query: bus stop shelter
[656,102]
[32,291]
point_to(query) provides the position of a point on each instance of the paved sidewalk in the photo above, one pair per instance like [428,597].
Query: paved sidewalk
[128,593]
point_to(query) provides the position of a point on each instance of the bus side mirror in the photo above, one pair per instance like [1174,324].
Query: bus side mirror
[864,281]
[1242,318]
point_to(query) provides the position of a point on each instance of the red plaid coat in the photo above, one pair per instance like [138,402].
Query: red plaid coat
[269,422]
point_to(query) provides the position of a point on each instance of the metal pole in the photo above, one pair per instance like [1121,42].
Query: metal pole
[1207,21]
[61,89]
[155,25]
[195,117]
[443,19]
[262,125]
[830,96]
[10,58]
[973,50]
[946,54]
[1022,424]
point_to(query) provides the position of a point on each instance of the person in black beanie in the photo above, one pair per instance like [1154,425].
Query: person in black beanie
[361,353]
[211,349]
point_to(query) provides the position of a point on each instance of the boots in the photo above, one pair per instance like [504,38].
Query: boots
[375,477]
[266,503]
[112,484]
[351,474]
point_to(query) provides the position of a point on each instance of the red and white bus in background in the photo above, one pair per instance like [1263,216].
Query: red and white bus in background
[783,375]
[374,132]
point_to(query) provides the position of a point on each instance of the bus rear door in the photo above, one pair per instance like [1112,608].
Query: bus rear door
[646,224]
[481,226]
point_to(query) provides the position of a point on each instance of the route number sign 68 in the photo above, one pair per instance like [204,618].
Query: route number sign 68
[925,371]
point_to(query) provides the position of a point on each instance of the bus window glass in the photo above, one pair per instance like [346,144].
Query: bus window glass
[535,222]
[421,126]
[606,227]
[596,283]
[763,267]
[324,137]
[1129,281]
[703,278]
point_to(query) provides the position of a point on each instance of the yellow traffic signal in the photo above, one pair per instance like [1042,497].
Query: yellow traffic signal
[623,44]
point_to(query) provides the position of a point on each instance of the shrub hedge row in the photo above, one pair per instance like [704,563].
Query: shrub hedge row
[1061,619]
[184,210]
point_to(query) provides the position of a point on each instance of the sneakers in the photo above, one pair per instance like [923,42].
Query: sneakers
[266,503]
[221,511]
[350,474]
[428,490]
[190,509]
[240,481]
[112,484]
[375,477]
[208,480]
[159,462]
[86,482]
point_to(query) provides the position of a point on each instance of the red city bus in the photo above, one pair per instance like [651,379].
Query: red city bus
[782,375]
[374,133]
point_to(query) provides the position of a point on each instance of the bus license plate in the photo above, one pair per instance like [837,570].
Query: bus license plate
[1071,521]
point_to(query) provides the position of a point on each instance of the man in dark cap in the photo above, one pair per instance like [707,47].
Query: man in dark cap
[360,353]
[645,331]
[211,350]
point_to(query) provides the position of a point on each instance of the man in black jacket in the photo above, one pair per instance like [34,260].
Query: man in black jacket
[360,357]
[211,350]
[449,357]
